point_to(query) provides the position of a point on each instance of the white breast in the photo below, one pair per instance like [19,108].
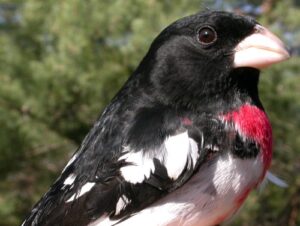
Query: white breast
[210,196]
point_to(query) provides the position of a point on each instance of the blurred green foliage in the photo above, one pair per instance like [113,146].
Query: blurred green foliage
[64,60]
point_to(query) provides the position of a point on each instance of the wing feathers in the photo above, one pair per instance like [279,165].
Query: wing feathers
[173,154]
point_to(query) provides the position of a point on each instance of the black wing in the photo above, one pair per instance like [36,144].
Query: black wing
[123,167]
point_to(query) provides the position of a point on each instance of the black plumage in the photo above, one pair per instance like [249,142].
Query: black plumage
[185,81]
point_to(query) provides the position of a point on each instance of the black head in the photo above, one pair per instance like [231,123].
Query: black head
[194,58]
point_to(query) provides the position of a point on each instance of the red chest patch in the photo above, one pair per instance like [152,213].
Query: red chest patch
[252,122]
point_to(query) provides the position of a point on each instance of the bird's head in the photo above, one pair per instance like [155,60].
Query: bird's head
[194,57]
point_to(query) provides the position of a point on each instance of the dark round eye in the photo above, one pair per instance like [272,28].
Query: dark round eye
[207,35]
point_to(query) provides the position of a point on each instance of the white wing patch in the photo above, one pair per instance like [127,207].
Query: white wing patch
[178,148]
[121,204]
[141,167]
[74,157]
[84,189]
[70,179]
[173,154]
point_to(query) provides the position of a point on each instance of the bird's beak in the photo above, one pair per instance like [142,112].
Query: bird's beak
[260,49]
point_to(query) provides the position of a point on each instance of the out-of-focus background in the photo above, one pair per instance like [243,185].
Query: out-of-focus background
[62,61]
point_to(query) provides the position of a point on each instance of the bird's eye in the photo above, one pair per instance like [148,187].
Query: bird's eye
[207,35]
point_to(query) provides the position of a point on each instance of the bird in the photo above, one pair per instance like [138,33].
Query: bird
[184,141]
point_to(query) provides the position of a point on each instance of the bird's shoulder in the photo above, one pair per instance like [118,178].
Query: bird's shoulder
[126,162]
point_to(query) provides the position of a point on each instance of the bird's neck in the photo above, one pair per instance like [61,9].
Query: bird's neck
[227,93]
[244,87]
[223,95]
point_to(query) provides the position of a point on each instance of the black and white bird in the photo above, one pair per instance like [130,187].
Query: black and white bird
[185,139]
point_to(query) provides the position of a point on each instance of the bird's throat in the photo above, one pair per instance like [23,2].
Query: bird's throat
[252,122]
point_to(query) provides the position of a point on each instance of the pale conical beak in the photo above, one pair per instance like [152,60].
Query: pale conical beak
[260,49]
